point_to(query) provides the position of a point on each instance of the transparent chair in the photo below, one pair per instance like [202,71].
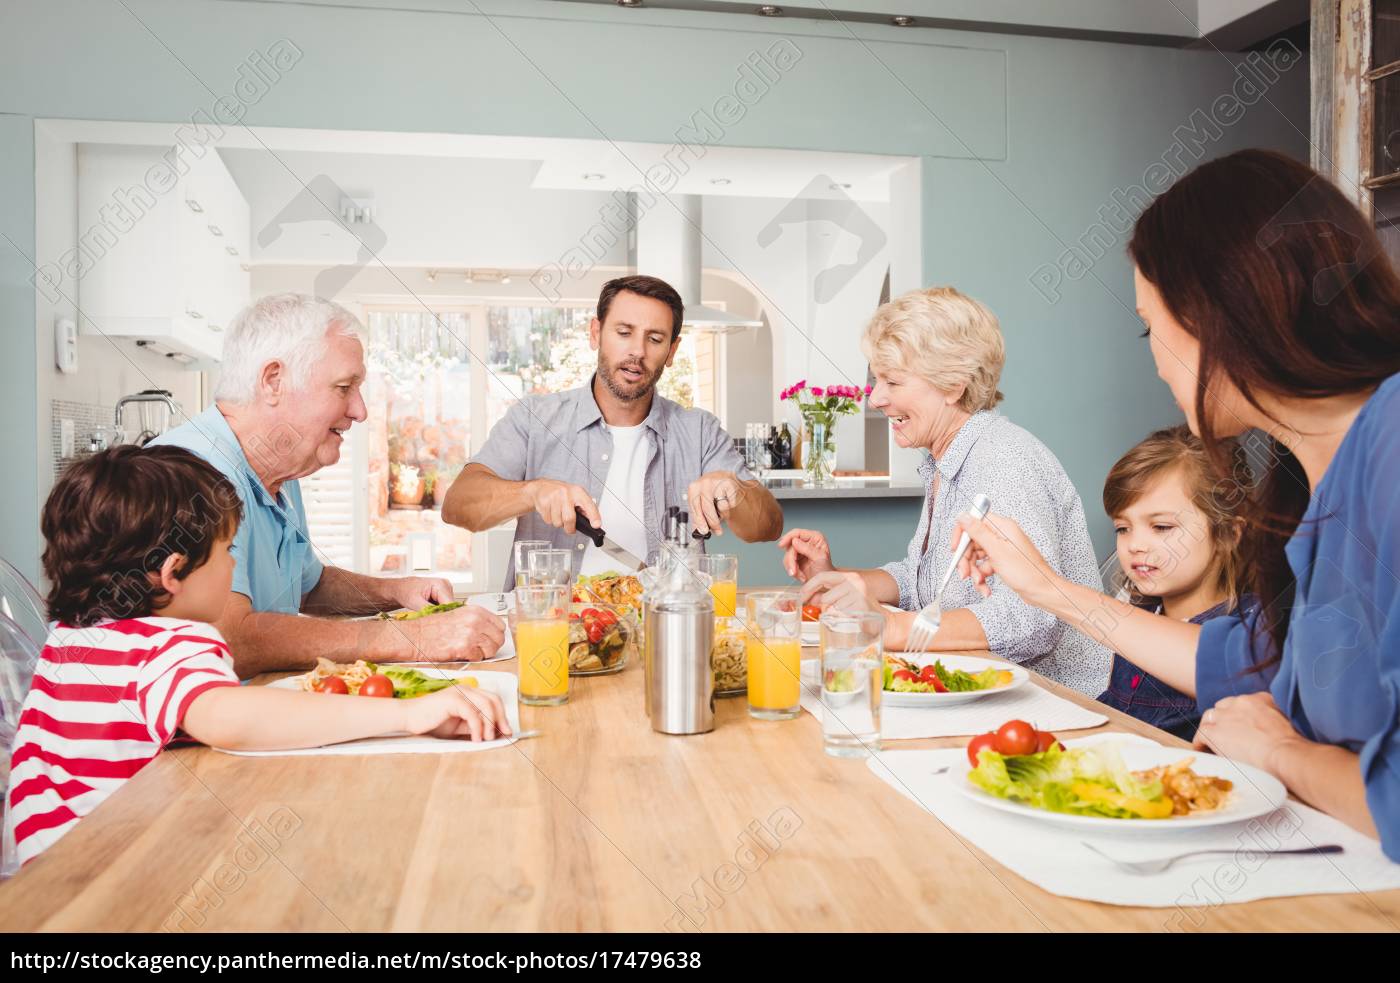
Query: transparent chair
[21,603]
[19,654]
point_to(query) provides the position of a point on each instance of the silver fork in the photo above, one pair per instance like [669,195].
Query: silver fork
[926,622]
[1162,863]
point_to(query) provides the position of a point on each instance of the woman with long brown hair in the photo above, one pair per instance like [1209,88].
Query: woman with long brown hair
[1272,311]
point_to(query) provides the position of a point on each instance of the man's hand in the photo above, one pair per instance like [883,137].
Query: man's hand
[712,497]
[458,711]
[468,634]
[417,592]
[805,554]
[556,501]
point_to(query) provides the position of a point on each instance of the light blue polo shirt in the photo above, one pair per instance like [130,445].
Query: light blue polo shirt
[275,565]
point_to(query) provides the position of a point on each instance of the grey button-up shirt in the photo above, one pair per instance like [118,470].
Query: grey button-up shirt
[992,456]
[562,436]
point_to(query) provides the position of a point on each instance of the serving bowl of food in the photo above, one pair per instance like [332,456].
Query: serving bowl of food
[602,638]
[728,658]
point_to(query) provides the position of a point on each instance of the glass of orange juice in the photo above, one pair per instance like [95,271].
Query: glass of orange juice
[773,646]
[723,571]
[541,625]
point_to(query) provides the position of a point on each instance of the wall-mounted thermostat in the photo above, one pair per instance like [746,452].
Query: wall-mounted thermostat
[65,345]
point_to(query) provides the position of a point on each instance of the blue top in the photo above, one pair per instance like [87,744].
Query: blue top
[275,566]
[1339,680]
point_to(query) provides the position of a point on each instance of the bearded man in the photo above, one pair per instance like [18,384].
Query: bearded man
[614,449]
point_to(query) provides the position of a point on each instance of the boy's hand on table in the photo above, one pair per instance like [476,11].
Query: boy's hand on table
[458,711]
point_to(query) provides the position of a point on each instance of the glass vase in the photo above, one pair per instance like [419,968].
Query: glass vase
[819,453]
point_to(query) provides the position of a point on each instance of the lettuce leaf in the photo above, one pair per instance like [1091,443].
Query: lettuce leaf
[409,683]
[960,681]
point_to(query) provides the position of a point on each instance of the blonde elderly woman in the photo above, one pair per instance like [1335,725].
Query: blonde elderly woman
[937,357]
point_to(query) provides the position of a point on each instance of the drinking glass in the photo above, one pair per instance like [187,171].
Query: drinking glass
[523,549]
[549,566]
[852,679]
[540,622]
[723,571]
[773,645]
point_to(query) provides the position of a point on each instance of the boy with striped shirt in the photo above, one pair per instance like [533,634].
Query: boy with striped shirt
[137,551]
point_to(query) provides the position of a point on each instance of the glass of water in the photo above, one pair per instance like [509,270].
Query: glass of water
[852,678]
[549,567]
[523,549]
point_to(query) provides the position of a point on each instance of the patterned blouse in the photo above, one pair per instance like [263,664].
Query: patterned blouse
[992,456]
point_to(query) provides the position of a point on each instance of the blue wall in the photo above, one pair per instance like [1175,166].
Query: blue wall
[1057,125]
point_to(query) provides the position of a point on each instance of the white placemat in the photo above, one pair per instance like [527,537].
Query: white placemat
[1029,702]
[503,684]
[1054,858]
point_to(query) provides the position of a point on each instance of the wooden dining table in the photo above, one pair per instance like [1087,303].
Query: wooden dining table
[599,824]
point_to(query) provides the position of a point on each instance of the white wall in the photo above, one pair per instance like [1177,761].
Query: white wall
[107,370]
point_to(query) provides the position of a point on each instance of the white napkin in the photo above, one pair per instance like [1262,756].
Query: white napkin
[1028,702]
[494,603]
[1054,858]
[503,684]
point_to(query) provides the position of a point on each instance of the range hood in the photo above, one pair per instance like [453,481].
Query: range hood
[668,246]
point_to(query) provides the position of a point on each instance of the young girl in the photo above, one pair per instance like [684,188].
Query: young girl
[138,555]
[1178,547]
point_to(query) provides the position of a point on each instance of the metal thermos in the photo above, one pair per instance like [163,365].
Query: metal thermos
[680,625]
[681,681]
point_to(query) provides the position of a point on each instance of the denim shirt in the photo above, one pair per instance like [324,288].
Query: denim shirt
[1142,695]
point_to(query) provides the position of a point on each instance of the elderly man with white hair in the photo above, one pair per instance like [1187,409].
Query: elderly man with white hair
[288,391]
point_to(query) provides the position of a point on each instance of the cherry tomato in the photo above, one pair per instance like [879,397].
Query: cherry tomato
[1044,740]
[974,746]
[377,685]
[595,632]
[810,612]
[332,684]
[606,618]
[906,675]
[1016,737]
[928,675]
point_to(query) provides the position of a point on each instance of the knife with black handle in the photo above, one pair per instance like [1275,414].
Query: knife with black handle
[600,539]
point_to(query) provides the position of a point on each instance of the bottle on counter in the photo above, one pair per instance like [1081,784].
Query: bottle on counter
[782,449]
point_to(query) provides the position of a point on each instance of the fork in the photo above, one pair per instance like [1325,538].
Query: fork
[926,622]
[1162,863]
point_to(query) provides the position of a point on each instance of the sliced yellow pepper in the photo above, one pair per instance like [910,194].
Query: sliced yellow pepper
[1146,808]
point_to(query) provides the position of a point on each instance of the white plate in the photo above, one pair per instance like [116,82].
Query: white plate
[967,663]
[1256,793]
[431,671]
[503,684]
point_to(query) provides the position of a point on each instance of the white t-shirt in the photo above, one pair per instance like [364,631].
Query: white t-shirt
[623,502]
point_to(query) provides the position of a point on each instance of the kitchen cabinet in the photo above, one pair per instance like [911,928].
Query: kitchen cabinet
[164,237]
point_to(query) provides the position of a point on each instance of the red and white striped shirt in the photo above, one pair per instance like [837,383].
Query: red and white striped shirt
[103,703]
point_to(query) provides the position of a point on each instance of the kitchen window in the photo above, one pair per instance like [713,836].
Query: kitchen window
[432,402]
